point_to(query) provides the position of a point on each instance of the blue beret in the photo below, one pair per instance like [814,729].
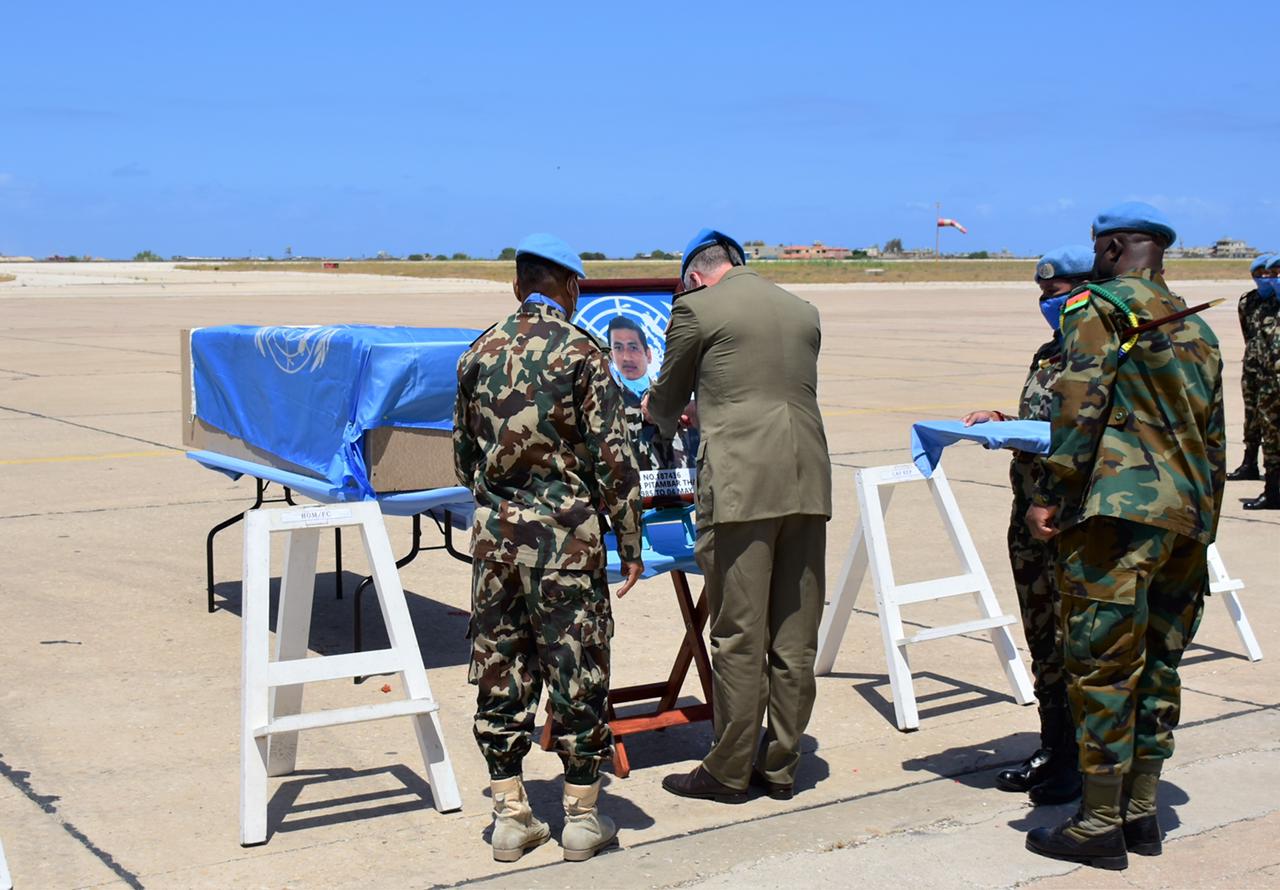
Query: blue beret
[1134,216]
[704,239]
[1273,261]
[1260,262]
[549,247]
[1070,261]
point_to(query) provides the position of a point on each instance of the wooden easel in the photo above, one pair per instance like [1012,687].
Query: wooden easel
[693,650]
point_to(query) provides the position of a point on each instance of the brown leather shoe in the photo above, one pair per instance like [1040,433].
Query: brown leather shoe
[775,790]
[702,785]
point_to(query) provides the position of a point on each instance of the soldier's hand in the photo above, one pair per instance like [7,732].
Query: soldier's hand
[644,408]
[982,417]
[632,571]
[690,416]
[1041,522]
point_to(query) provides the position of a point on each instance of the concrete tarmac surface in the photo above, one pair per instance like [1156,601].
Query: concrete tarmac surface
[119,693]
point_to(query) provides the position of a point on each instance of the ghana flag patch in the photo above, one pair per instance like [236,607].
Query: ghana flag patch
[1079,301]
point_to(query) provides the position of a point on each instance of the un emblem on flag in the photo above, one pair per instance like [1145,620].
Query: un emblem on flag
[295,348]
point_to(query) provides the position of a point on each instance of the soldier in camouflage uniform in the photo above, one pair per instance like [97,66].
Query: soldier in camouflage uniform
[1256,310]
[540,441]
[1050,774]
[1265,347]
[1132,490]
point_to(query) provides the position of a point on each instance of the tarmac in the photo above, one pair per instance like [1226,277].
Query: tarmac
[119,693]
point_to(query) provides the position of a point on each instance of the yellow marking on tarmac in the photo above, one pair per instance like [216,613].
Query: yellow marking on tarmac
[899,409]
[75,458]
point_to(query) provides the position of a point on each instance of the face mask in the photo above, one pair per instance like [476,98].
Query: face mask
[1266,287]
[636,387]
[1051,309]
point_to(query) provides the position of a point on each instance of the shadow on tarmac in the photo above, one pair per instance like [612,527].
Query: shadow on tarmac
[975,765]
[285,814]
[957,695]
[441,629]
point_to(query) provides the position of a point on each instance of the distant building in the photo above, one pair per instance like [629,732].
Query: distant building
[1232,248]
[1222,249]
[758,250]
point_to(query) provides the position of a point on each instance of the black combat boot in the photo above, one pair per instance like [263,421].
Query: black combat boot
[1248,469]
[1061,783]
[1094,835]
[1270,497]
[1141,827]
[1036,768]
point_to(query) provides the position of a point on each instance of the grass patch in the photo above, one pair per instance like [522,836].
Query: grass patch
[784,272]
[5,276]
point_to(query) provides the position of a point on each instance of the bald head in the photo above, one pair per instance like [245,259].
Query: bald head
[1117,253]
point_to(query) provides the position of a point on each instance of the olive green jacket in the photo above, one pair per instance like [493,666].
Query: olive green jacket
[748,351]
[1141,436]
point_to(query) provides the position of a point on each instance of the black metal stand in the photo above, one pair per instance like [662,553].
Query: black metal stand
[258,501]
[446,529]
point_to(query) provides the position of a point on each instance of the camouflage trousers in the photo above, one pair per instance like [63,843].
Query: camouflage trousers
[532,627]
[1267,419]
[1035,579]
[1132,597]
[1249,381]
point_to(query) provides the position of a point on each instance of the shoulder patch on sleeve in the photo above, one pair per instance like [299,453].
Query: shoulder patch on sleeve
[1076,303]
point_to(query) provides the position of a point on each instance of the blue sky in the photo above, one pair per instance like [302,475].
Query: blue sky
[430,127]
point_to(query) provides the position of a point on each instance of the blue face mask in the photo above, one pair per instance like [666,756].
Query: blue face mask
[637,387]
[1051,309]
[1266,287]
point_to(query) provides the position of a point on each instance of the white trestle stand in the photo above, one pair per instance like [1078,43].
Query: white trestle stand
[870,548]
[272,689]
[1222,584]
[6,882]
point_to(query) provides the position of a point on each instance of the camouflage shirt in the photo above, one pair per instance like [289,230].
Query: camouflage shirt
[539,438]
[1259,318]
[1142,437]
[1037,392]
[652,451]
[1036,404]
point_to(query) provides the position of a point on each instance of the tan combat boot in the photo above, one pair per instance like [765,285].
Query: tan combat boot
[515,831]
[585,830]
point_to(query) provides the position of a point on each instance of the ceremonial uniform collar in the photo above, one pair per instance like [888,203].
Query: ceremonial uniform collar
[544,300]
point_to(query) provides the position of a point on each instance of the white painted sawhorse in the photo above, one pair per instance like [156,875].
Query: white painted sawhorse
[272,716]
[6,882]
[1222,584]
[870,549]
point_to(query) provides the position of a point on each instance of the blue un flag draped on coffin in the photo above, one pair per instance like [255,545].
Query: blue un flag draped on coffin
[310,393]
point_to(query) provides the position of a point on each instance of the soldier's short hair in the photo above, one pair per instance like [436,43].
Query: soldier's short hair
[627,324]
[711,258]
[537,275]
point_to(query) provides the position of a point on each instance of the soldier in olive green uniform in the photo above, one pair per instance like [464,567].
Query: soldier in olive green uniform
[1257,308]
[750,352]
[1133,490]
[1262,358]
[1050,774]
[540,440]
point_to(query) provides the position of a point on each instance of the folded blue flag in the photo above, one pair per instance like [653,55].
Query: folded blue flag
[929,437]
